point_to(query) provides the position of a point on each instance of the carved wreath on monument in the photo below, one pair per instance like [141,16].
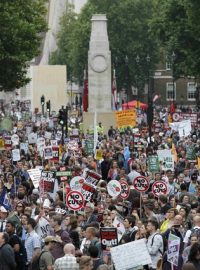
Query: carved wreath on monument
[99,63]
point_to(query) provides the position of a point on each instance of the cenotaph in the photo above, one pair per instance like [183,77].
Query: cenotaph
[99,75]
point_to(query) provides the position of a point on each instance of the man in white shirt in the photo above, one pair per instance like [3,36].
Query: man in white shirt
[3,218]
[196,221]
[133,174]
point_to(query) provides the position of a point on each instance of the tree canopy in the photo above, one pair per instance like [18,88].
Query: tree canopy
[129,36]
[177,27]
[22,23]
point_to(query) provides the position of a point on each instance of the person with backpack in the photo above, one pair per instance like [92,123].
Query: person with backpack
[46,260]
[129,224]
[194,230]
[18,247]
[155,244]
[91,240]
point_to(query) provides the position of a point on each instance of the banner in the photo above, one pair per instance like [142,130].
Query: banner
[108,237]
[131,255]
[178,117]
[47,181]
[184,128]
[167,159]
[153,164]
[126,118]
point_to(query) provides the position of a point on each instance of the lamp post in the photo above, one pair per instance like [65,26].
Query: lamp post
[150,114]
[127,78]
[173,56]
[137,59]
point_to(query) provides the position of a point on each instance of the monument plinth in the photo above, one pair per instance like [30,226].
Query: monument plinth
[99,67]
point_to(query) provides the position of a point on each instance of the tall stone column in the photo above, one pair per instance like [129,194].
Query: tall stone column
[99,67]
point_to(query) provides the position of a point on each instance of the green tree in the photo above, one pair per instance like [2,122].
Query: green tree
[21,24]
[177,27]
[129,35]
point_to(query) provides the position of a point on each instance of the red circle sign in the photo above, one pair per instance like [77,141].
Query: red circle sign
[141,183]
[159,188]
[125,190]
[74,200]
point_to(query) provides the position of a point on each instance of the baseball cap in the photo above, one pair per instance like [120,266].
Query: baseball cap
[50,239]
[3,209]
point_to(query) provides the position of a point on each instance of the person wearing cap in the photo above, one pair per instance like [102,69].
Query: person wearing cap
[89,212]
[46,260]
[3,215]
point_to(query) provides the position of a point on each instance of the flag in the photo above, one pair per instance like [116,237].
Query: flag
[114,92]
[172,107]
[85,93]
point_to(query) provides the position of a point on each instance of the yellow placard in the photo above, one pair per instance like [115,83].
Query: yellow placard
[99,154]
[126,118]
[198,160]
[174,152]
[2,144]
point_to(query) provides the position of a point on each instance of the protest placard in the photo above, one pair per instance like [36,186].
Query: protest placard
[15,139]
[35,175]
[173,249]
[47,135]
[32,138]
[2,143]
[126,118]
[130,255]
[153,164]
[55,153]
[16,155]
[92,178]
[8,142]
[48,152]
[118,223]
[76,183]
[114,188]
[87,191]
[108,236]
[166,157]
[24,146]
[47,181]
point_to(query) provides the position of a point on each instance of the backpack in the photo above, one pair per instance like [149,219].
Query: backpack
[152,241]
[36,263]
[21,256]
[86,247]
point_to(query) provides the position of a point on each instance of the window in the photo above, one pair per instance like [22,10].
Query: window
[191,91]
[169,91]
[168,65]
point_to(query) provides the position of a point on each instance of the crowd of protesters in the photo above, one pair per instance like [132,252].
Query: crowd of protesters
[38,231]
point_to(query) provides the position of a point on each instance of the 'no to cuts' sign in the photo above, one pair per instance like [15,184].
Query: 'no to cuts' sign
[159,188]
[141,183]
[74,200]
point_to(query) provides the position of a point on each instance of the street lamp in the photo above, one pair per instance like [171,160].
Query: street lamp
[173,56]
[137,59]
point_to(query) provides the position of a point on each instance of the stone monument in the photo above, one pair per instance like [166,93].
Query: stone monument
[99,67]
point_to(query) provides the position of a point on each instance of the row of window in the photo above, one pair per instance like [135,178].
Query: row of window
[171,91]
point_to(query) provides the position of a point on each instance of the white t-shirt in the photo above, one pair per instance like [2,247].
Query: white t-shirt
[188,234]
[43,227]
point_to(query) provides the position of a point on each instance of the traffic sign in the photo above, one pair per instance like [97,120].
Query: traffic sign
[159,188]
[141,183]
[125,190]
[74,200]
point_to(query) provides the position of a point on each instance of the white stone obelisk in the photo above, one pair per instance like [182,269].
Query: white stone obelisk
[99,67]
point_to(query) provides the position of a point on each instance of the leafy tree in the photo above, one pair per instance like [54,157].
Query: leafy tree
[22,23]
[129,35]
[177,27]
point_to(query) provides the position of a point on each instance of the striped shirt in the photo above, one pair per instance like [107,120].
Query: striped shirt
[68,262]
[32,242]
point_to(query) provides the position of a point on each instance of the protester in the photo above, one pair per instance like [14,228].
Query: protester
[7,257]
